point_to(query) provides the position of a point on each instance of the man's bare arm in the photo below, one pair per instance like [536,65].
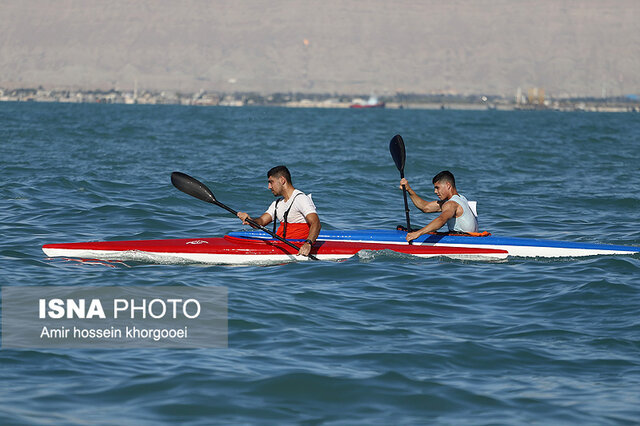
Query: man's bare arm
[263,220]
[448,211]
[314,230]
[423,205]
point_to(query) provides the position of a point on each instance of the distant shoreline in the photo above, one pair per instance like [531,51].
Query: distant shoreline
[305,100]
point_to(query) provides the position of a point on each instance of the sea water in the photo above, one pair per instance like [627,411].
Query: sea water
[380,338]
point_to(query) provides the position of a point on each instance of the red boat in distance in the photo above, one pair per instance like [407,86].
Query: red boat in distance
[371,103]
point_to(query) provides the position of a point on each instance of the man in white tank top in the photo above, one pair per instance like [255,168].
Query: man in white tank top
[454,208]
[295,211]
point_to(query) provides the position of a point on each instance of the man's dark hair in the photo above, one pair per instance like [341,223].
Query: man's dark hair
[445,175]
[278,171]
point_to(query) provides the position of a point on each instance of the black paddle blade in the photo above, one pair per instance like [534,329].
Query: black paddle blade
[396,147]
[192,186]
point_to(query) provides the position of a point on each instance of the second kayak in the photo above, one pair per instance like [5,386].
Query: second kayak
[517,247]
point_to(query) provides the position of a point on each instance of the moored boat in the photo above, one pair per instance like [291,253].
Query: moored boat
[372,102]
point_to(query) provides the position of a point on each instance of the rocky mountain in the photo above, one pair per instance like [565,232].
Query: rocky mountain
[577,47]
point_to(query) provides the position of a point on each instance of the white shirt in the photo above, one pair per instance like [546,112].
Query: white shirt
[468,222]
[302,206]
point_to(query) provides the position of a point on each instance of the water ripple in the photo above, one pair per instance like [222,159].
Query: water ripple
[380,337]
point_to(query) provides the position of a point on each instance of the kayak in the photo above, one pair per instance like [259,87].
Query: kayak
[429,245]
[239,250]
[515,247]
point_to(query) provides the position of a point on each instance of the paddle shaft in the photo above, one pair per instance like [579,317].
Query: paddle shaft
[262,228]
[406,203]
[257,225]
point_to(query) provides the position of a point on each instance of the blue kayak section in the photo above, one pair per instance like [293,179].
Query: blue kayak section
[393,236]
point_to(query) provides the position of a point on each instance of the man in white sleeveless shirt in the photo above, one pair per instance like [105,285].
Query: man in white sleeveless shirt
[453,207]
[295,211]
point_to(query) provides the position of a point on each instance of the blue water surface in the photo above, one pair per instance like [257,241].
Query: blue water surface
[380,338]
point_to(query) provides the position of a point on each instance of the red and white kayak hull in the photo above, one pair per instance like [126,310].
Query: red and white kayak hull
[237,251]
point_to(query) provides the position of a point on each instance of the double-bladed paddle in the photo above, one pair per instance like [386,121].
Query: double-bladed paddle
[396,147]
[195,188]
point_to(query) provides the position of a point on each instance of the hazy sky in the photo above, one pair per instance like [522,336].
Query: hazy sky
[573,47]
